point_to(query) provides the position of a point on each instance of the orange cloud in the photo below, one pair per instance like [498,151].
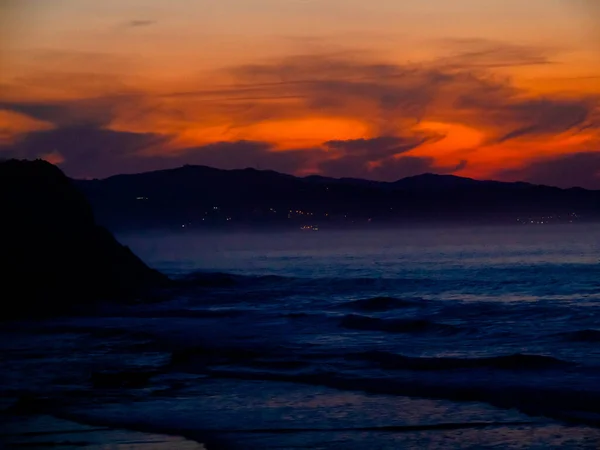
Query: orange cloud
[344,115]
[14,124]
[53,157]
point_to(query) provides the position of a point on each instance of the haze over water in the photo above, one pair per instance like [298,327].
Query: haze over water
[369,252]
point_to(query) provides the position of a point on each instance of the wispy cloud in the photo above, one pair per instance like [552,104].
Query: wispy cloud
[135,23]
[86,150]
[477,53]
[573,170]
[141,23]
[379,158]
[241,116]
[392,96]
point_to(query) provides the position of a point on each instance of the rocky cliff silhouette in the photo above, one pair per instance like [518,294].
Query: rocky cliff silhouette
[54,256]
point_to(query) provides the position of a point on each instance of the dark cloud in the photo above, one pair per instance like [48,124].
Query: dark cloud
[140,23]
[243,154]
[135,23]
[312,67]
[462,164]
[383,94]
[390,169]
[545,116]
[476,53]
[379,158]
[85,112]
[88,151]
[407,166]
[573,170]
[391,97]
[377,148]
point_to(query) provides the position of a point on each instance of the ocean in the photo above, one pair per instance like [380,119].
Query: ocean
[436,337]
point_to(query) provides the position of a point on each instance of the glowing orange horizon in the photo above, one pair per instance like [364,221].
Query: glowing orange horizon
[474,106]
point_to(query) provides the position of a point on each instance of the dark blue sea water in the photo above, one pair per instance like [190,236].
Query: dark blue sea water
[411,338]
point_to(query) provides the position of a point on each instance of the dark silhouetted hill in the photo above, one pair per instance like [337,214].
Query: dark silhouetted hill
[53,253]
[199,196]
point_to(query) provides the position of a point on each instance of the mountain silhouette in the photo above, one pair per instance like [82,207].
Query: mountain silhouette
[194,196]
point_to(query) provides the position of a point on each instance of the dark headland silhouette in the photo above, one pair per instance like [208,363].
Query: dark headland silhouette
[200,196]
[54,255]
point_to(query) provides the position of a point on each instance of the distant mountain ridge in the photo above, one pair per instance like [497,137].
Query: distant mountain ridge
[195,196]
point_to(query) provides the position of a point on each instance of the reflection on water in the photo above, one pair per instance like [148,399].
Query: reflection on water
[382,253]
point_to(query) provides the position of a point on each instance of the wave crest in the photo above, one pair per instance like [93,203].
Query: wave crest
[366,323]
[382,304]
[516,361]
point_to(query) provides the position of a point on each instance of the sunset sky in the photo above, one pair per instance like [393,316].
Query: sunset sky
[378,89]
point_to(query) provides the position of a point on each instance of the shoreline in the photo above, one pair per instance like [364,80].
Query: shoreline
[49,430]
